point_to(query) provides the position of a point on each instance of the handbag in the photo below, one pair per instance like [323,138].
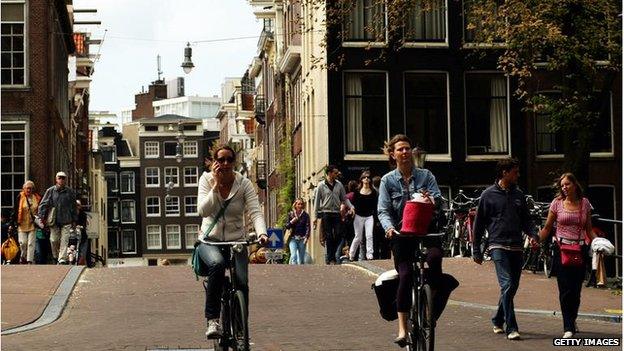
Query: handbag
[35,219]
[10,249]
[571,254]
[199,268]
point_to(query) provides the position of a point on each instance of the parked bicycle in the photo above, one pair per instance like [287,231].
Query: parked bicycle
[421,321]
[234,307]
[460,215]
[539,257]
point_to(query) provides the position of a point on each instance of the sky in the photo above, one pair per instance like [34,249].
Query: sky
[139,30]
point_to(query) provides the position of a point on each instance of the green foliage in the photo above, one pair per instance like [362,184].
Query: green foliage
[286,170]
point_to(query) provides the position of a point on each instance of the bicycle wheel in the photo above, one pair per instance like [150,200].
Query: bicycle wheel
[240,331]
[426,320]
[222,343]
[548,264]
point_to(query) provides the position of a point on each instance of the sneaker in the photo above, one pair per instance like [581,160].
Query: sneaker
[514,335]
[568,335]
[497,330]
[214,329]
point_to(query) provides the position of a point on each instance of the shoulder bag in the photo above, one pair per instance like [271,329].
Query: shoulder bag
[571,254]
[199,268]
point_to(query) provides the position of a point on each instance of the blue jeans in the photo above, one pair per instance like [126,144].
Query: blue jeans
[508,269]
[216,259]
[297,250]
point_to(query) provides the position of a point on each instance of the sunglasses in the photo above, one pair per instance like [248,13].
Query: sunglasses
[224,159]
[365,177]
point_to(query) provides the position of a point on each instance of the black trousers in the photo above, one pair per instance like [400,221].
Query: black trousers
[570,283]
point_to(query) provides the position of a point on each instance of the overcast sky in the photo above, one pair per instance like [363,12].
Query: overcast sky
[138,30]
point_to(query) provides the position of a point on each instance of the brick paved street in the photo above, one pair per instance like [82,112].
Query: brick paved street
[292,308]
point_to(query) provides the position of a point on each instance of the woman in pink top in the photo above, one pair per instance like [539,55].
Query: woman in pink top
[571,211]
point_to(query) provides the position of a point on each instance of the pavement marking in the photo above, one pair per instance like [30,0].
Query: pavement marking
[56,304]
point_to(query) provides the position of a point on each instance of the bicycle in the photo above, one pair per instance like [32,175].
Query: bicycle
[421,321]
[459,229]
[539,257]
[234,312]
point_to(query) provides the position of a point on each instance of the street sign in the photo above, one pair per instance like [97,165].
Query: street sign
[276,238]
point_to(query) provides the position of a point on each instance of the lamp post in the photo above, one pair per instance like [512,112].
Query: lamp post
[180,137]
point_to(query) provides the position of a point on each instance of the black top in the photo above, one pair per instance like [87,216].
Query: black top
[365,205]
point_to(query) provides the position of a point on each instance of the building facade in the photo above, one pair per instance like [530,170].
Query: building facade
[204,108]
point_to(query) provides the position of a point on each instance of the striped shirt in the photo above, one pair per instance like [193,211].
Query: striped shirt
[570,224]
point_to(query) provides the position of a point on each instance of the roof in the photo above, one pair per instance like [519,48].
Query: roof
[123,148]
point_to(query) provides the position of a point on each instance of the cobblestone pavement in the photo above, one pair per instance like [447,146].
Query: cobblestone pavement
[292,308]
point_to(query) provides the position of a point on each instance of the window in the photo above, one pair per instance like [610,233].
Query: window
[426,112]
[366,114]
[172,206]
[172,231]
[128,213]
[171,175]
[365,22]
[170,148]
[113,210]
[111,181]
[151,128]
[427,25]
[129,241]
[13,162]
[154,241]
[191,232]
[189,149]
[152,177]
[551,143]
[152,206]
[14,59]
[190,205]
[108,155]
[190,176]
[486,114]
[127,182]
[152,149]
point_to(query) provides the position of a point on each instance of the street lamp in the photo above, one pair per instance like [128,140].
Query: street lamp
[187,64]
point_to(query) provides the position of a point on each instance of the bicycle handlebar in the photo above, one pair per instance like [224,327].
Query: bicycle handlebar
[428,235]
[232,243]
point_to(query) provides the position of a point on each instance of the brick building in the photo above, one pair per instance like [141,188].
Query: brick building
[36,120]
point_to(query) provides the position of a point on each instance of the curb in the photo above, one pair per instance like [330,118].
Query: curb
[56,304]
[613,318]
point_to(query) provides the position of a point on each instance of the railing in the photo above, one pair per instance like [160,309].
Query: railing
[260,108]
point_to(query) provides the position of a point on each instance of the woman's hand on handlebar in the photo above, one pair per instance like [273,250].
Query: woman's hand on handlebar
[263,239]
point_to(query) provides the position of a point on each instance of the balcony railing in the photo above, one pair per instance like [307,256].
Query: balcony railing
[260,109]
[261,174]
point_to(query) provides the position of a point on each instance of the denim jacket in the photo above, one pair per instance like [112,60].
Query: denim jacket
[393,193]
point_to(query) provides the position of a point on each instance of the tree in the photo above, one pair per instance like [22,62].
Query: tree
[575,41]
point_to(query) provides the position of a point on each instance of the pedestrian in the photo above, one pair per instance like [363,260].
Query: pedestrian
[365,202]
[396,188]
[299,224]
[504,213]
[84,250]
[24,212]
[381,245]
[58,208]
[328,196]
[224,197]
[347,221]
[572,213]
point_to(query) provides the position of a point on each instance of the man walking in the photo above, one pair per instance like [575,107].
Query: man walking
[328,197]
[60,199]
[504,213]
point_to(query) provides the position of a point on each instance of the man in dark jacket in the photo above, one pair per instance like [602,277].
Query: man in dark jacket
[63,199]
[504,213]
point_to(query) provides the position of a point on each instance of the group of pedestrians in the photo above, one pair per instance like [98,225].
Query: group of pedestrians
[44,223]
[225,195]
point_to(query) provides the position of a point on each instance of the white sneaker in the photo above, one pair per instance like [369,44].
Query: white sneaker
[214,329]
[497,330]
[568,335]
[514,335]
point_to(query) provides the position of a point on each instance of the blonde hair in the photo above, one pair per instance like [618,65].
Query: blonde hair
[298,200]
[27,183]
[572,178]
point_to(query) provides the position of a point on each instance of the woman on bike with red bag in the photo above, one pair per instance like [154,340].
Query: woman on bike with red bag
[224,196]
[396,188]
[571,211]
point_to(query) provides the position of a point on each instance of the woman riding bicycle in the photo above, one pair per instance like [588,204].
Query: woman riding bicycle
[396,188]
[225,195]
